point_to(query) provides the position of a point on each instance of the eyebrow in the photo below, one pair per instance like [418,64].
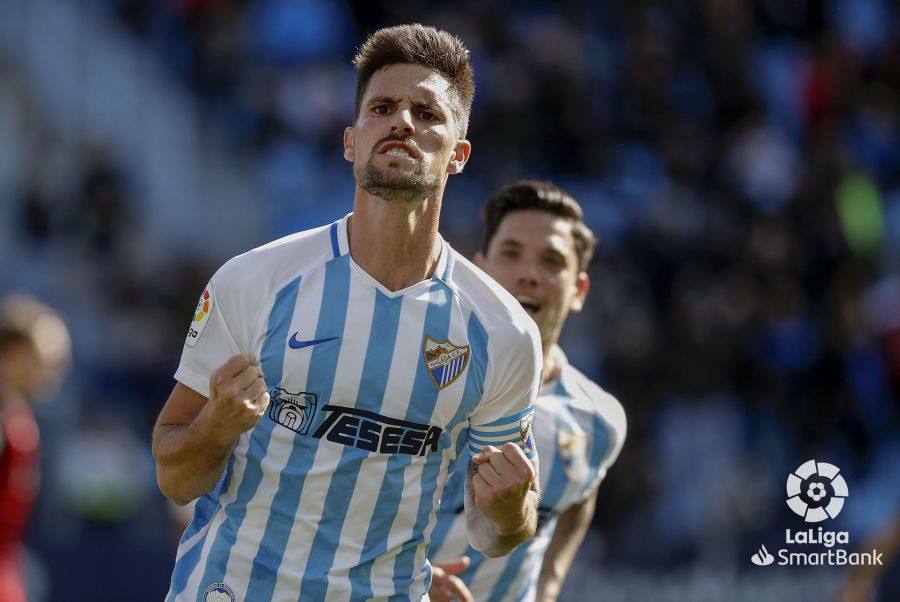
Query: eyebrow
[382,99]
[427,105]
[547,250]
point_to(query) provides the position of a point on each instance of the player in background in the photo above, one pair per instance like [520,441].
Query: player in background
[35,354]
[331,380]
[537,246]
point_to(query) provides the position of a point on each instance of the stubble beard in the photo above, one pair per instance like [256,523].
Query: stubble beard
[397,187]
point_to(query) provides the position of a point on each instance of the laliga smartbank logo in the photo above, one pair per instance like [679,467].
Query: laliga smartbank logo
[816,492]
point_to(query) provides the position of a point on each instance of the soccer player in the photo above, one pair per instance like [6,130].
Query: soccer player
[537,246]
[35,353]
[331,380]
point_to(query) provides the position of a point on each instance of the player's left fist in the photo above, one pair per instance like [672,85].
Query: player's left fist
[501,484]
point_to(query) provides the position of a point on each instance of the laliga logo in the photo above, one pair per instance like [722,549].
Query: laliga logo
[816,491]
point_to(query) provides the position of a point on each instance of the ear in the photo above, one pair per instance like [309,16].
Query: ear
[460,157]
[582,284]
[349,144]
[479,260]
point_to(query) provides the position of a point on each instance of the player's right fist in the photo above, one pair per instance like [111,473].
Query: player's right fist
[237,396]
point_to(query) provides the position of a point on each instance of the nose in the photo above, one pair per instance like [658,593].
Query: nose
[527,274]
[403,123]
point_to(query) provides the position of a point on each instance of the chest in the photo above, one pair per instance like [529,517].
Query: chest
[572,444]
[386,374]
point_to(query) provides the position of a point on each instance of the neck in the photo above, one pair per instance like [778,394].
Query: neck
[395,241]
[552,365]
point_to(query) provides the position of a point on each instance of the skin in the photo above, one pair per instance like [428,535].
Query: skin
[533,255]
[393,237]
[34,367]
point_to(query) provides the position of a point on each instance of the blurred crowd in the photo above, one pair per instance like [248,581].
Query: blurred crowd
[739,161]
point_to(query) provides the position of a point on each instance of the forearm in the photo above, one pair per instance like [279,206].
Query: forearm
[570,531]
[494,539]
[190,457]
[550,582]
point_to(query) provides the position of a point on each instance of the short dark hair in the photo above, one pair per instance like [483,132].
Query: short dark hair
[417,44]
[541,196]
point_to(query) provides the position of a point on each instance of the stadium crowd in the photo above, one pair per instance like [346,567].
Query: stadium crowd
[740,163]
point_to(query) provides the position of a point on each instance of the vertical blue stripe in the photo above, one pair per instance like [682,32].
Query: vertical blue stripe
[516,562]
[370,396]
[472,395]
[599,447]
[204,511]
[335,247]
[453,498]
[423,398]
[185,566]
[272,360]
[557,480]
[320,380]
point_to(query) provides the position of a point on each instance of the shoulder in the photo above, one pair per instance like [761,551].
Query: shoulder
[269,267]
[594,398]
[500,315]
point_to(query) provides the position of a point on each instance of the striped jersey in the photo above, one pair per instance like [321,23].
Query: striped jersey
[375,395]
[578,429]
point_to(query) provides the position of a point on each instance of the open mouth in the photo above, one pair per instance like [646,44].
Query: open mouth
[399,150]
[531,305]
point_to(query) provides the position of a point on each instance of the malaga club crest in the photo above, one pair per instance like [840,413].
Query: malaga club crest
[525,432]
[571,446]
[292,410]
[445,361]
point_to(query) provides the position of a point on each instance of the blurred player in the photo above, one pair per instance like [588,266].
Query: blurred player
[330,380]
[537,246]
[34,355]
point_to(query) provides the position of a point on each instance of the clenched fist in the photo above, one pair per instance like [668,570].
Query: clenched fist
[237,396]
[501,480]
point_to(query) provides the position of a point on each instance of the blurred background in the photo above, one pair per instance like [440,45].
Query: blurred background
[739,161]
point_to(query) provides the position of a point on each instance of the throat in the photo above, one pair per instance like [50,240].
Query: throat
[397,253]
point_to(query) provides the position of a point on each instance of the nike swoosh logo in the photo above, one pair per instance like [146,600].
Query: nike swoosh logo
[295,343]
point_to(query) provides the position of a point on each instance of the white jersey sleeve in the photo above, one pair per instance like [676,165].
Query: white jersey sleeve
[513,382]
[222,326]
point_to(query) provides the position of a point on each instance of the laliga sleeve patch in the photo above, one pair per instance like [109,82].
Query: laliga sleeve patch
[201,317]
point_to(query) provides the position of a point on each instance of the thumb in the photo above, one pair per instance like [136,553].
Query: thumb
[262,402]
[455,566]
[485,454]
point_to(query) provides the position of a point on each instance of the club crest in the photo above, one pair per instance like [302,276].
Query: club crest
[445,361]
[571,447]
[525,432]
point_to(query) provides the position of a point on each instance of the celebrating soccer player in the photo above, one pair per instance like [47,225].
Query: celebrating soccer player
[331,380]
[537,246]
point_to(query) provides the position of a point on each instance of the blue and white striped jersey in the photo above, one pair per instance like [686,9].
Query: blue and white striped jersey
[375,396]
[578,430]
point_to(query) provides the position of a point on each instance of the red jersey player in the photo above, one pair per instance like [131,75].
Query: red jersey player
[34,352]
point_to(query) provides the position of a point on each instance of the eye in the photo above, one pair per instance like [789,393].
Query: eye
[426,116]
[380,109]
[555,261]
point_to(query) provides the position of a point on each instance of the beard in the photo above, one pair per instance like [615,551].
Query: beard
[395,186]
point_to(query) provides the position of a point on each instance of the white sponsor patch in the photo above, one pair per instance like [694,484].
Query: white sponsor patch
[201,316]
